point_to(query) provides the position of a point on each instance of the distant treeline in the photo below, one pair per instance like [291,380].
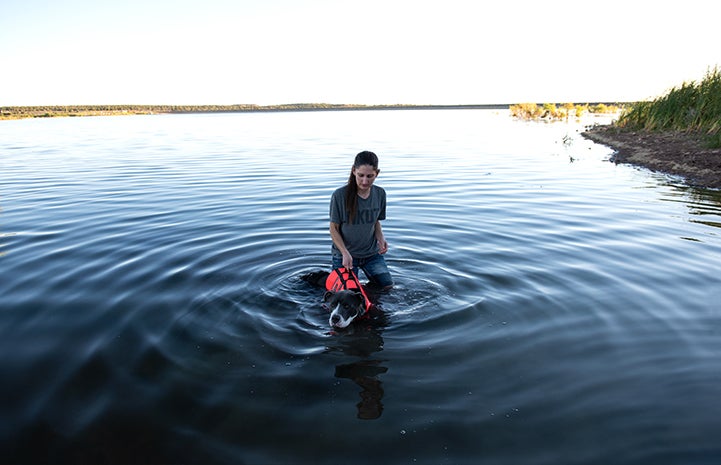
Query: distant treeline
[103,110]
[522,110]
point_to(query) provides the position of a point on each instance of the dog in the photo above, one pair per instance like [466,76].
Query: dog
[345,306]
[344,297]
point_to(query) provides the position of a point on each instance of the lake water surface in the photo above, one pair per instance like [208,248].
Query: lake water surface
[550,307]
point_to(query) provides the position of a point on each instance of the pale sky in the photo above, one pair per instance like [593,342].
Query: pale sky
[64,52]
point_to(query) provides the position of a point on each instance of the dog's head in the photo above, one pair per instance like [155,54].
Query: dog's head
[345,306]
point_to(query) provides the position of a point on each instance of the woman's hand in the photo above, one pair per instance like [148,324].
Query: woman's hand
[381,239]
[382,246]
[347,260]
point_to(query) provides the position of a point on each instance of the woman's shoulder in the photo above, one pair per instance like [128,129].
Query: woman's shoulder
[338,195]
[340,191]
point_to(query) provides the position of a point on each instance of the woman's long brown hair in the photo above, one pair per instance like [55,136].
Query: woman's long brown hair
[351,193]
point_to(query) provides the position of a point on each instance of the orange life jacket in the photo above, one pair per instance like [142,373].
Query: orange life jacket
[344,279]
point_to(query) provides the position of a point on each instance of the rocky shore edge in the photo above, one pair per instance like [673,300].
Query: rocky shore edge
[676,153]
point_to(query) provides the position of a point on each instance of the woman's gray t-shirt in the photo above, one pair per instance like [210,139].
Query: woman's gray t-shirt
[359,237]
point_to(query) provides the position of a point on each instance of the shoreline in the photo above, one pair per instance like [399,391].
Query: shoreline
[677,153]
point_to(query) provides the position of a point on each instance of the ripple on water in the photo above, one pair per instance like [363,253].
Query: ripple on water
[152,296]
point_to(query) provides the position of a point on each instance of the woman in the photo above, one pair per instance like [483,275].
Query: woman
[356,211]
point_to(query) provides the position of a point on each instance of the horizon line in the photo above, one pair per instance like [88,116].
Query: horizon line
[311,104]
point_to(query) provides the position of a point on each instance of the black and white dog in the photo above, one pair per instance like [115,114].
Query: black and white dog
[344,297]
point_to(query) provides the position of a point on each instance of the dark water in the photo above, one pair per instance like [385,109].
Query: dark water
[550,306]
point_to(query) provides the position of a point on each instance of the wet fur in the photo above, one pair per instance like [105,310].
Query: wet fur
[345,306]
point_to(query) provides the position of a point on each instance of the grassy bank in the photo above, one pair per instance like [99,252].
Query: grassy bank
[691,107]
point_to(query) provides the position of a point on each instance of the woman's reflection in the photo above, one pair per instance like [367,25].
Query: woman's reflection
[365,374]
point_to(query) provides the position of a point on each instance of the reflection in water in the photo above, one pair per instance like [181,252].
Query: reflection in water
[362,340]
[365,374]
[706,204]
[703,204]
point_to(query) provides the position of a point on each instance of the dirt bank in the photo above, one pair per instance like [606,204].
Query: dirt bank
[676,153]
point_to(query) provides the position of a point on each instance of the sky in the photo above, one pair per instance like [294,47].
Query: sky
[183,52]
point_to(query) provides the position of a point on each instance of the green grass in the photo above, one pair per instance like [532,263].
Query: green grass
[692,107]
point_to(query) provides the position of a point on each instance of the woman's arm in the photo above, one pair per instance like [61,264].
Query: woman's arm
[382,243]
[340,245]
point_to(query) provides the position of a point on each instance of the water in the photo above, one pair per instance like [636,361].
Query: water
[550,307]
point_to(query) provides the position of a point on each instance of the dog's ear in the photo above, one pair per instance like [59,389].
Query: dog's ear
[327,296]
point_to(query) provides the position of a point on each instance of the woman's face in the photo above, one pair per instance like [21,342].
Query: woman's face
[364,177]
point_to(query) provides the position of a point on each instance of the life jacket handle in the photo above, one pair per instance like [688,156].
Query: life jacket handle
[341,274]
